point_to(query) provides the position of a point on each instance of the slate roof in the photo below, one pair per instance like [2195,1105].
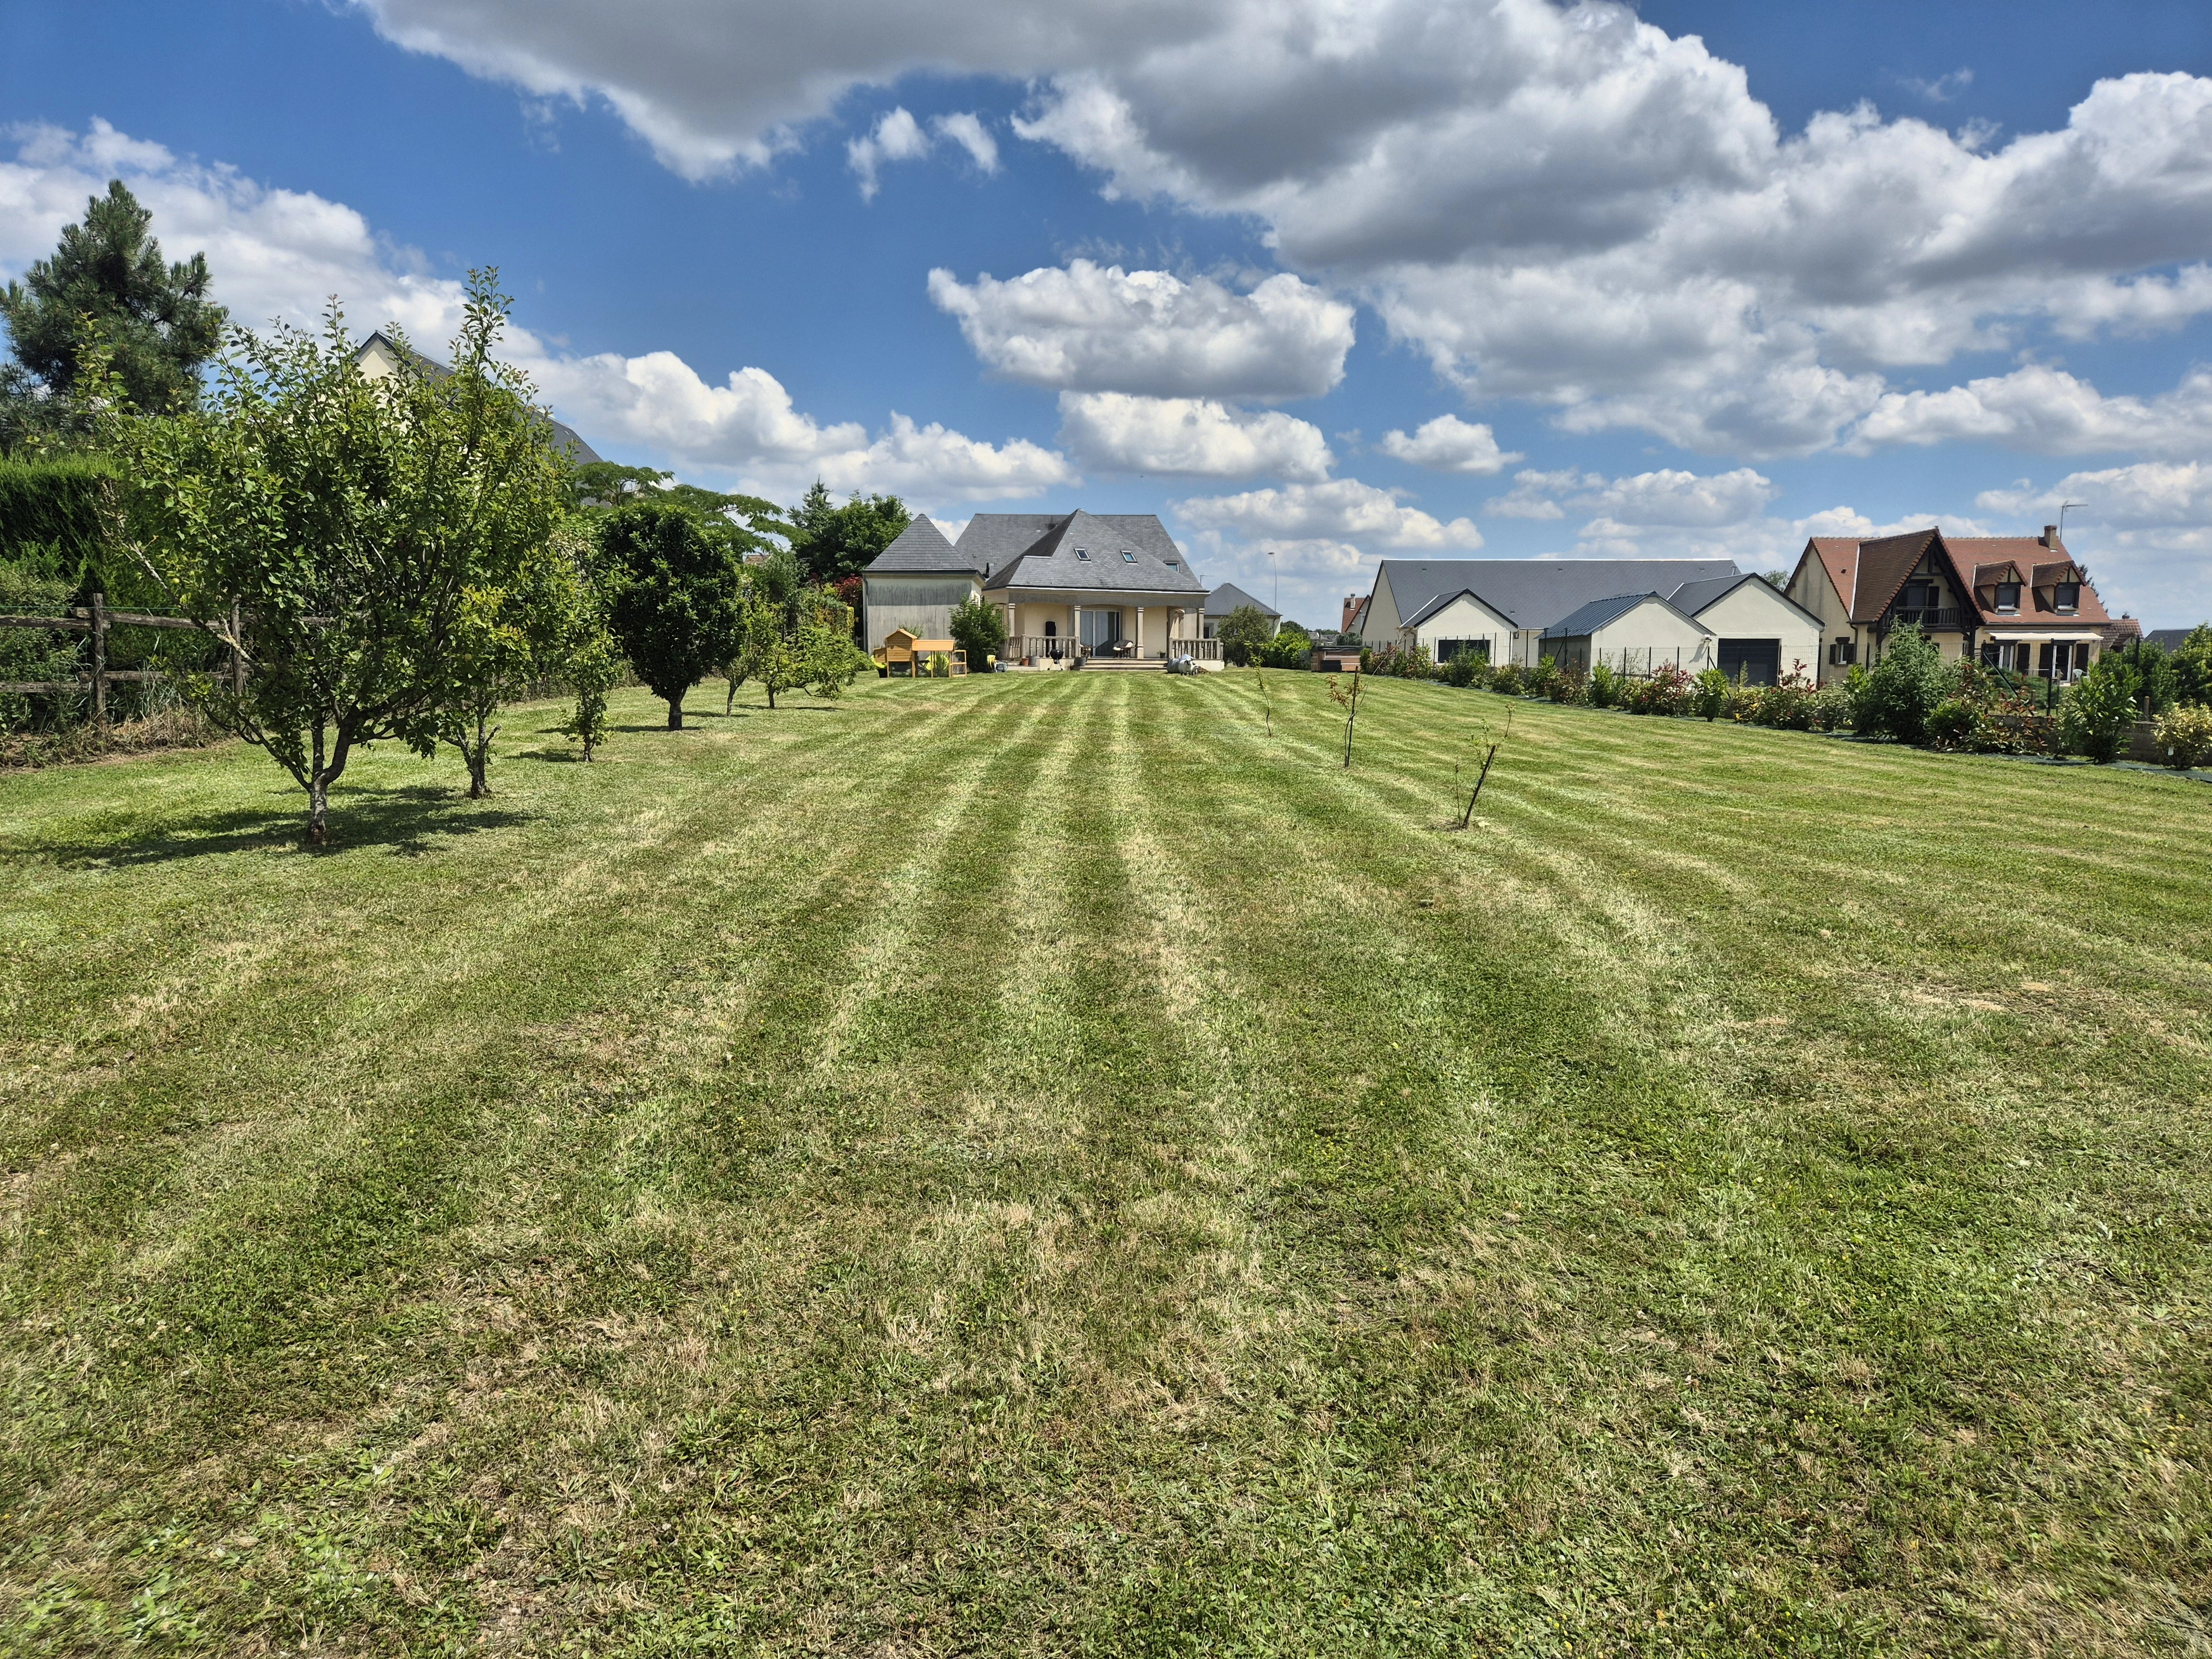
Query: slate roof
[2173,638]
[1588,619]
[1692,598]
[1537,593]
[1229,596]
[1434,605]
[1126,553]
[565,437]
[921,548]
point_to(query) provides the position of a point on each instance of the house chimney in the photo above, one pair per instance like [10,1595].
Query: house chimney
[2050,535]
[1351,610]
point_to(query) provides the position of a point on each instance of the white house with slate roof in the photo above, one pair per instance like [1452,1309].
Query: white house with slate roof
[1499,608]
[1226,600]
[1077,589]
[1636,632]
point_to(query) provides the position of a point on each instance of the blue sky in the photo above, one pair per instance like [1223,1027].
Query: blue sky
[1662,297]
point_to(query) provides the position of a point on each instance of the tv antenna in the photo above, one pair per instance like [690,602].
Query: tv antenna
[2063,506]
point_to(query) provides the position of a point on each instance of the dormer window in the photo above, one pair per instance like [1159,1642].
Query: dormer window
[2066,596]
[2008,596]
[1171,564]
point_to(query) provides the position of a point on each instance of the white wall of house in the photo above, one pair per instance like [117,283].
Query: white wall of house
[1647,636]
[1465,619]
[923,604]
[1757,611]
[1382,622]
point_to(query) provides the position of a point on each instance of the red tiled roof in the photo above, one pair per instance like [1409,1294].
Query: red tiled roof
[2030,554]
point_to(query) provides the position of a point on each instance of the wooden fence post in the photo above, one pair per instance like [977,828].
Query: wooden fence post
[99,659]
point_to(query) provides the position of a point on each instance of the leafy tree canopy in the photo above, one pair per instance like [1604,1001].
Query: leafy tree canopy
[833,541]
[1245,634]
[153,321]
[741,523]
[674,595]
[346,522]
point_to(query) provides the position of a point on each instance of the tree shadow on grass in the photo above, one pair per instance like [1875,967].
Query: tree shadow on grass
[406,823]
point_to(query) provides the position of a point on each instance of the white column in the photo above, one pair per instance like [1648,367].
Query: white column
[1074,630]
[1140,652]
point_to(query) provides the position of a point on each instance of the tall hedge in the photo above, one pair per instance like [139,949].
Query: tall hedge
[50,515]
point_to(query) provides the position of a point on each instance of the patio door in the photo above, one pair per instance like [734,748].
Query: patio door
[1101,628]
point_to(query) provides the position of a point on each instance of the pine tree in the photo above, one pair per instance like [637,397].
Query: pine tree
[154,319]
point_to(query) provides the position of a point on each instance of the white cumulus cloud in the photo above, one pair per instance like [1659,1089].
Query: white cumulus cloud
[1448,444]
[1192,437]
[1088,327]
[1342,510]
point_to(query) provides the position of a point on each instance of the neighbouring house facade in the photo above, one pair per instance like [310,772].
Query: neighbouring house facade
[2015,602]
[380,355]
[1226,600]
[1075,587]
[1499,608]
[1638,633]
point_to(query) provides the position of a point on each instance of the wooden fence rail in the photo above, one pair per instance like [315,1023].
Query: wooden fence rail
[96,619]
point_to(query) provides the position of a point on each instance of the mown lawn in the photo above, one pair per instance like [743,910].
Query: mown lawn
[1037,1166]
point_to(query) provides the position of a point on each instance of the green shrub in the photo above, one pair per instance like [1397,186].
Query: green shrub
[1666,691]
[1787,705]
[1569,685]
[36,653]
[1951,725]
[2192,667]
[1904,688]
[1708,695]
[1292,648]
[979,629]
[1460,670]
[1506,677]
[2098,711]
[2185,733]
[1542,677]
[1605,688]
[1832,708]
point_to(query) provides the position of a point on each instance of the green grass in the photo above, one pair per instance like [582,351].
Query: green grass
[1031,1164]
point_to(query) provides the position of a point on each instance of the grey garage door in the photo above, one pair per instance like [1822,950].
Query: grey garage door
[1756,662]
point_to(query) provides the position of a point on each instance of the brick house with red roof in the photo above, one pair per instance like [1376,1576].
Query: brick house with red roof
[2016,602]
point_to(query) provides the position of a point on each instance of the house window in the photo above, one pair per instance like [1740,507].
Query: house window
[1842,651]
[1101,627]
[1447,650]
[2008,596]
[2067,596]
[1127,557]
[1083,553]
[1917,596]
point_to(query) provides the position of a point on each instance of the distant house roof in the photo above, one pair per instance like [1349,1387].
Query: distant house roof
[1588,619]
[1110,553]
[1693,599]
[921,548]
[1537,593]
[1229,596]
[2171,639]
[379,343]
